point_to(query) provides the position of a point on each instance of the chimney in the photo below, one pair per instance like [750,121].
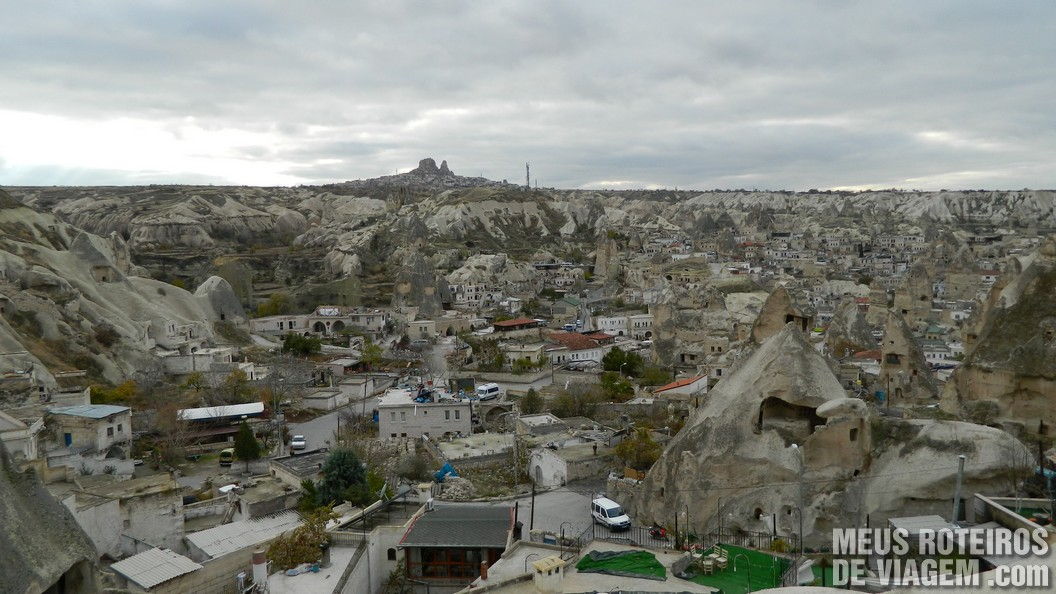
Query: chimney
[483,571]
[547,574]
[260,567]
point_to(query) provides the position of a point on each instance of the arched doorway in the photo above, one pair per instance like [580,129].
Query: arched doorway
[337,326]
[319,328]
[538,475]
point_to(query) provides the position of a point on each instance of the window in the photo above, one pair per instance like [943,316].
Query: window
[392,435]
[854,434]
[458,414]
[425,412]
[120,428]
[447,415]
[109,431]
[403,415]
[403,435]
[391,554]
[392,416]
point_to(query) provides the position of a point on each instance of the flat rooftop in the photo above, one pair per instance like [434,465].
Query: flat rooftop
[482,444]
[303,465]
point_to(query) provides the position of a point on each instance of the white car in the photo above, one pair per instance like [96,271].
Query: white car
[298,442]
[609,514]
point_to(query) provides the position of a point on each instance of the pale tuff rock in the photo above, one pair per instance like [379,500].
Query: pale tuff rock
[738,447]
[780,309]
[74,283]
[41,542]
[218,295]
[843,407]
[417,285]
[493,270]
[1012,361]
[904,373]
[848,332]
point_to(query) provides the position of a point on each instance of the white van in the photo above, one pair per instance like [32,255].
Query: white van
[609,514]
[488,391]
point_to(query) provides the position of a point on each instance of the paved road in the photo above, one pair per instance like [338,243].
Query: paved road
[567,507]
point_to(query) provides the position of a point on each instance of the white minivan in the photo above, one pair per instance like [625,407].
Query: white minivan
[609,514]
[488,391]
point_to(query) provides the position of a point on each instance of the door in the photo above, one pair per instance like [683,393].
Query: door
[67,438]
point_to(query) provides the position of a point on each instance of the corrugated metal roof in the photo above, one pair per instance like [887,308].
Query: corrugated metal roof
[236,536]
[461,525]
[220,412]
[154,566]
[91,411]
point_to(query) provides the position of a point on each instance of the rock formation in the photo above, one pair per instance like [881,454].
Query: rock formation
[780,428]
[41,545]
[417,285]
[848,332]
[1012,362]
[904,373]
[75,302]
[780,309]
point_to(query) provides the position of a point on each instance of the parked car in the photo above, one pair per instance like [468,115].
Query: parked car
[608,513]
[227,456]
[298,442]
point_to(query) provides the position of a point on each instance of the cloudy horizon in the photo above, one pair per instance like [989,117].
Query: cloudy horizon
[760,95]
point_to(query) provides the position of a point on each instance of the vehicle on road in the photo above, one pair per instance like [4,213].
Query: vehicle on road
[608,513]
[227,456]
[298,443]
[489,391]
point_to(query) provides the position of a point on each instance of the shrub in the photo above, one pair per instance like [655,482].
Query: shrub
[532,403]
[106,335]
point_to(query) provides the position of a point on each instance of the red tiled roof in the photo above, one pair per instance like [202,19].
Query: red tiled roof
[574,341]
[514,322]
[599,335]
[679,383]
[873,354]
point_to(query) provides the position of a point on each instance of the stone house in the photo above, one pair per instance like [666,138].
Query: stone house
[92,427]
[19,436]
[400,416]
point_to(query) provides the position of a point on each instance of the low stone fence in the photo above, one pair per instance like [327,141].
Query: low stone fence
[210,507]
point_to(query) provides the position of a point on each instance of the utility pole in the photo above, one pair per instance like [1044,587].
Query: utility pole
[957,491]
[531,517]
[527,177]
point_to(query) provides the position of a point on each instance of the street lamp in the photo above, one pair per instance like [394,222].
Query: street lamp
[802,463]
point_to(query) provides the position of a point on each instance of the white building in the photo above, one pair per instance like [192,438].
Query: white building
[400,416]
[20,437]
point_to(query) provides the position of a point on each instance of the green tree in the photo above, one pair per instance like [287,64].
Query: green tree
[639,451]
[301,345]
[236,388]
[303,544]
[369,491]
[309,500]
[629,364]
[277,304]
[195,381]
[371,354]
[532,403]
[574,404]
[654,376]
[341,470]
[616,387]
[247,447]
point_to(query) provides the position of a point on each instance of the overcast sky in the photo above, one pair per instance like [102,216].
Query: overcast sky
[755,94]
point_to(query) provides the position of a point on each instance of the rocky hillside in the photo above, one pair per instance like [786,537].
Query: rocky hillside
[435,201]
[72,300]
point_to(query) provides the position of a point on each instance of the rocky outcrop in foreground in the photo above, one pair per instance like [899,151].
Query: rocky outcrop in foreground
[780,423]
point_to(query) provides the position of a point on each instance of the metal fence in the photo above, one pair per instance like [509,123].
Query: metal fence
[763,541]
[635,535]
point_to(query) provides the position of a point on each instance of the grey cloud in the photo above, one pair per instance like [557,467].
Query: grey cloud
[763,94]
